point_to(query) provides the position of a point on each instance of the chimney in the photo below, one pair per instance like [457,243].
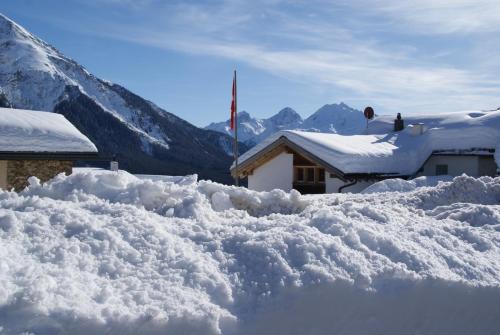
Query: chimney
[399,123]
[417,129]
[113,165]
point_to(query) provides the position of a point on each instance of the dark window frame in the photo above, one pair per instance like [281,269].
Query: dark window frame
[310,172]
[441,169]
[321,175]
[310,175]
[300,172]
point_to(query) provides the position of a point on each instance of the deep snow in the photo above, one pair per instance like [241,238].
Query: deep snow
[402,185]
[108,253]
[24,130]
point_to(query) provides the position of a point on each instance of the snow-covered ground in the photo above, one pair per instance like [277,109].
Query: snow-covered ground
[100,252]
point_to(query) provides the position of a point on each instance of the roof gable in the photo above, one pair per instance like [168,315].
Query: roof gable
[273,149]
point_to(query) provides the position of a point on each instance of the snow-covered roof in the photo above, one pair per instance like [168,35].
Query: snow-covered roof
[382,151]
[34,131]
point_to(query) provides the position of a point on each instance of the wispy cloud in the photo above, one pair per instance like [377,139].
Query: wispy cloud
[438,16]
[318,45]
[365,73]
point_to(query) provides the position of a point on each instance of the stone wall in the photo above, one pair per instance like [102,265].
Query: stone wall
[3,174]
[18,171]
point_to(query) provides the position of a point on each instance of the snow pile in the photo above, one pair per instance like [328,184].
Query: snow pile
[182,198]
[108,253]
[463,189]
[23,130]
[401,185]
[182,180]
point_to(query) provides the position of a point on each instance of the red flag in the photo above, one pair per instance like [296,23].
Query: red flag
[233,103]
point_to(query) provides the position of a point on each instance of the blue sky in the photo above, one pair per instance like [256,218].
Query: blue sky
[398,56]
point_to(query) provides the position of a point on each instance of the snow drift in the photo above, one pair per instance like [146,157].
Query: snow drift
[403,185]
[101,252]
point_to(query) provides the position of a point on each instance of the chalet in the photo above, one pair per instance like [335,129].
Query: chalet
[38,144]
[442,144]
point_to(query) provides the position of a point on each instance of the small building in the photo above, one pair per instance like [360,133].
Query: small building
[39,144]
[442,144]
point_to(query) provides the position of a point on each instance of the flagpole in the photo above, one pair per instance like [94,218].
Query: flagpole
[236,177]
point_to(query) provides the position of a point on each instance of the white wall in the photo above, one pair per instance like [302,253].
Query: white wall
[456,165]
[333,184]
[276,173]
[359,186]
[487,166]
[3,174]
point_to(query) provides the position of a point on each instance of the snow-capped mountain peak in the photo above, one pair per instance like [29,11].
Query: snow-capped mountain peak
[332,118]
[252,130]
[336,118]
[286,116]
[244,115]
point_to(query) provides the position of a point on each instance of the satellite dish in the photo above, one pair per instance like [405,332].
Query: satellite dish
[369,113]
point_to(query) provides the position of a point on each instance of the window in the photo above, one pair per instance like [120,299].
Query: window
[310,175]
[300,174]
[321,175]
[441,169]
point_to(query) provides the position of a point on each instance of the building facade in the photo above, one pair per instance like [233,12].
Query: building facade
[314,163]
[38,144]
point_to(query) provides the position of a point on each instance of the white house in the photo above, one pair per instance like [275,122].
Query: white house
[38,144]
[442,144]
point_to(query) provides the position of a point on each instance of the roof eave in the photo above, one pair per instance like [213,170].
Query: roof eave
[375,175]
[45,155]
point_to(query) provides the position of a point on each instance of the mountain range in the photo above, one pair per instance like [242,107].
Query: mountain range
[332,118]
[144,137]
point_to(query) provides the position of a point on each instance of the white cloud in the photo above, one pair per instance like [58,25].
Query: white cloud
[439,16]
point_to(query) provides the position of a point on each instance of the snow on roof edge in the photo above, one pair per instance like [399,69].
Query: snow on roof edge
[38,131]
